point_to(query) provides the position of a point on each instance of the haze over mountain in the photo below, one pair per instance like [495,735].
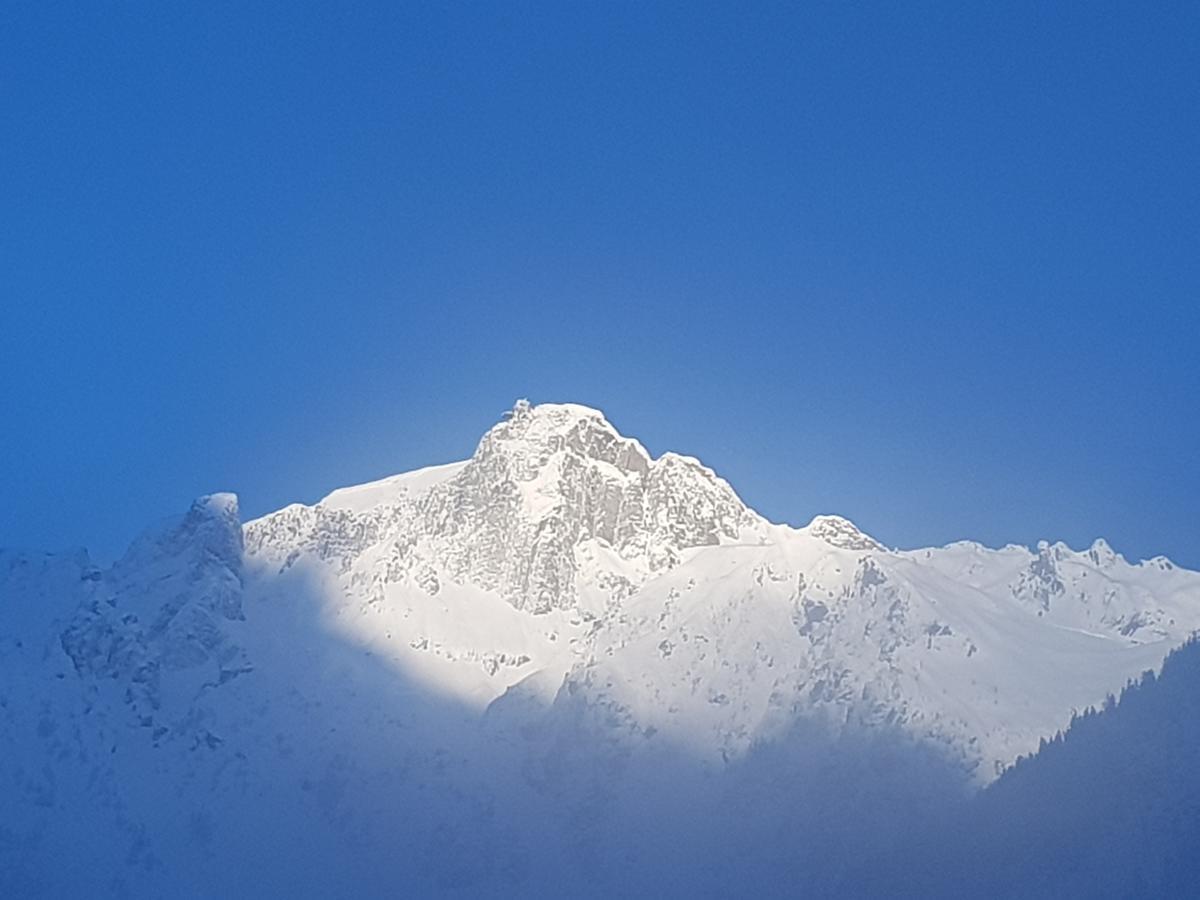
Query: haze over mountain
[562,664]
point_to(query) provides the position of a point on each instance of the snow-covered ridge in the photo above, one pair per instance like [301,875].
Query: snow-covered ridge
[842,533]
[362,497]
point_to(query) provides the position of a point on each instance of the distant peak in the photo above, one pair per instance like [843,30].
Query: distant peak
[1101,553]
[210,530]
[841,532]
[223,504]
[214,522]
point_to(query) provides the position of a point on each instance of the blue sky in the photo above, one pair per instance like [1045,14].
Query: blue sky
[933,267]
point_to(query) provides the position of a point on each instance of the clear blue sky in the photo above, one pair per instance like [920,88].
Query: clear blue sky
[933,267]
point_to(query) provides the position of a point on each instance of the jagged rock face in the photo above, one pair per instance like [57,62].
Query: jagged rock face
[161,608]
[1039,583]
[513,518]
[1087,590]
[550,478]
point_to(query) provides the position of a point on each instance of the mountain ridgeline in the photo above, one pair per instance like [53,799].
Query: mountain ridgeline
[566,666]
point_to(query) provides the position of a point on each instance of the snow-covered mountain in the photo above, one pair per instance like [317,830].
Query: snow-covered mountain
[562,560]
[463,636]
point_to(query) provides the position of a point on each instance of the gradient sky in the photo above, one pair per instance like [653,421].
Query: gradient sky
[933,267]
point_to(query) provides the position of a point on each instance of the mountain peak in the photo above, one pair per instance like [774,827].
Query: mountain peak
[531,435]
[1101,554]
[842,533]
[211,530]
[214,523]
[551,490]
[552,477]
[556,412]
